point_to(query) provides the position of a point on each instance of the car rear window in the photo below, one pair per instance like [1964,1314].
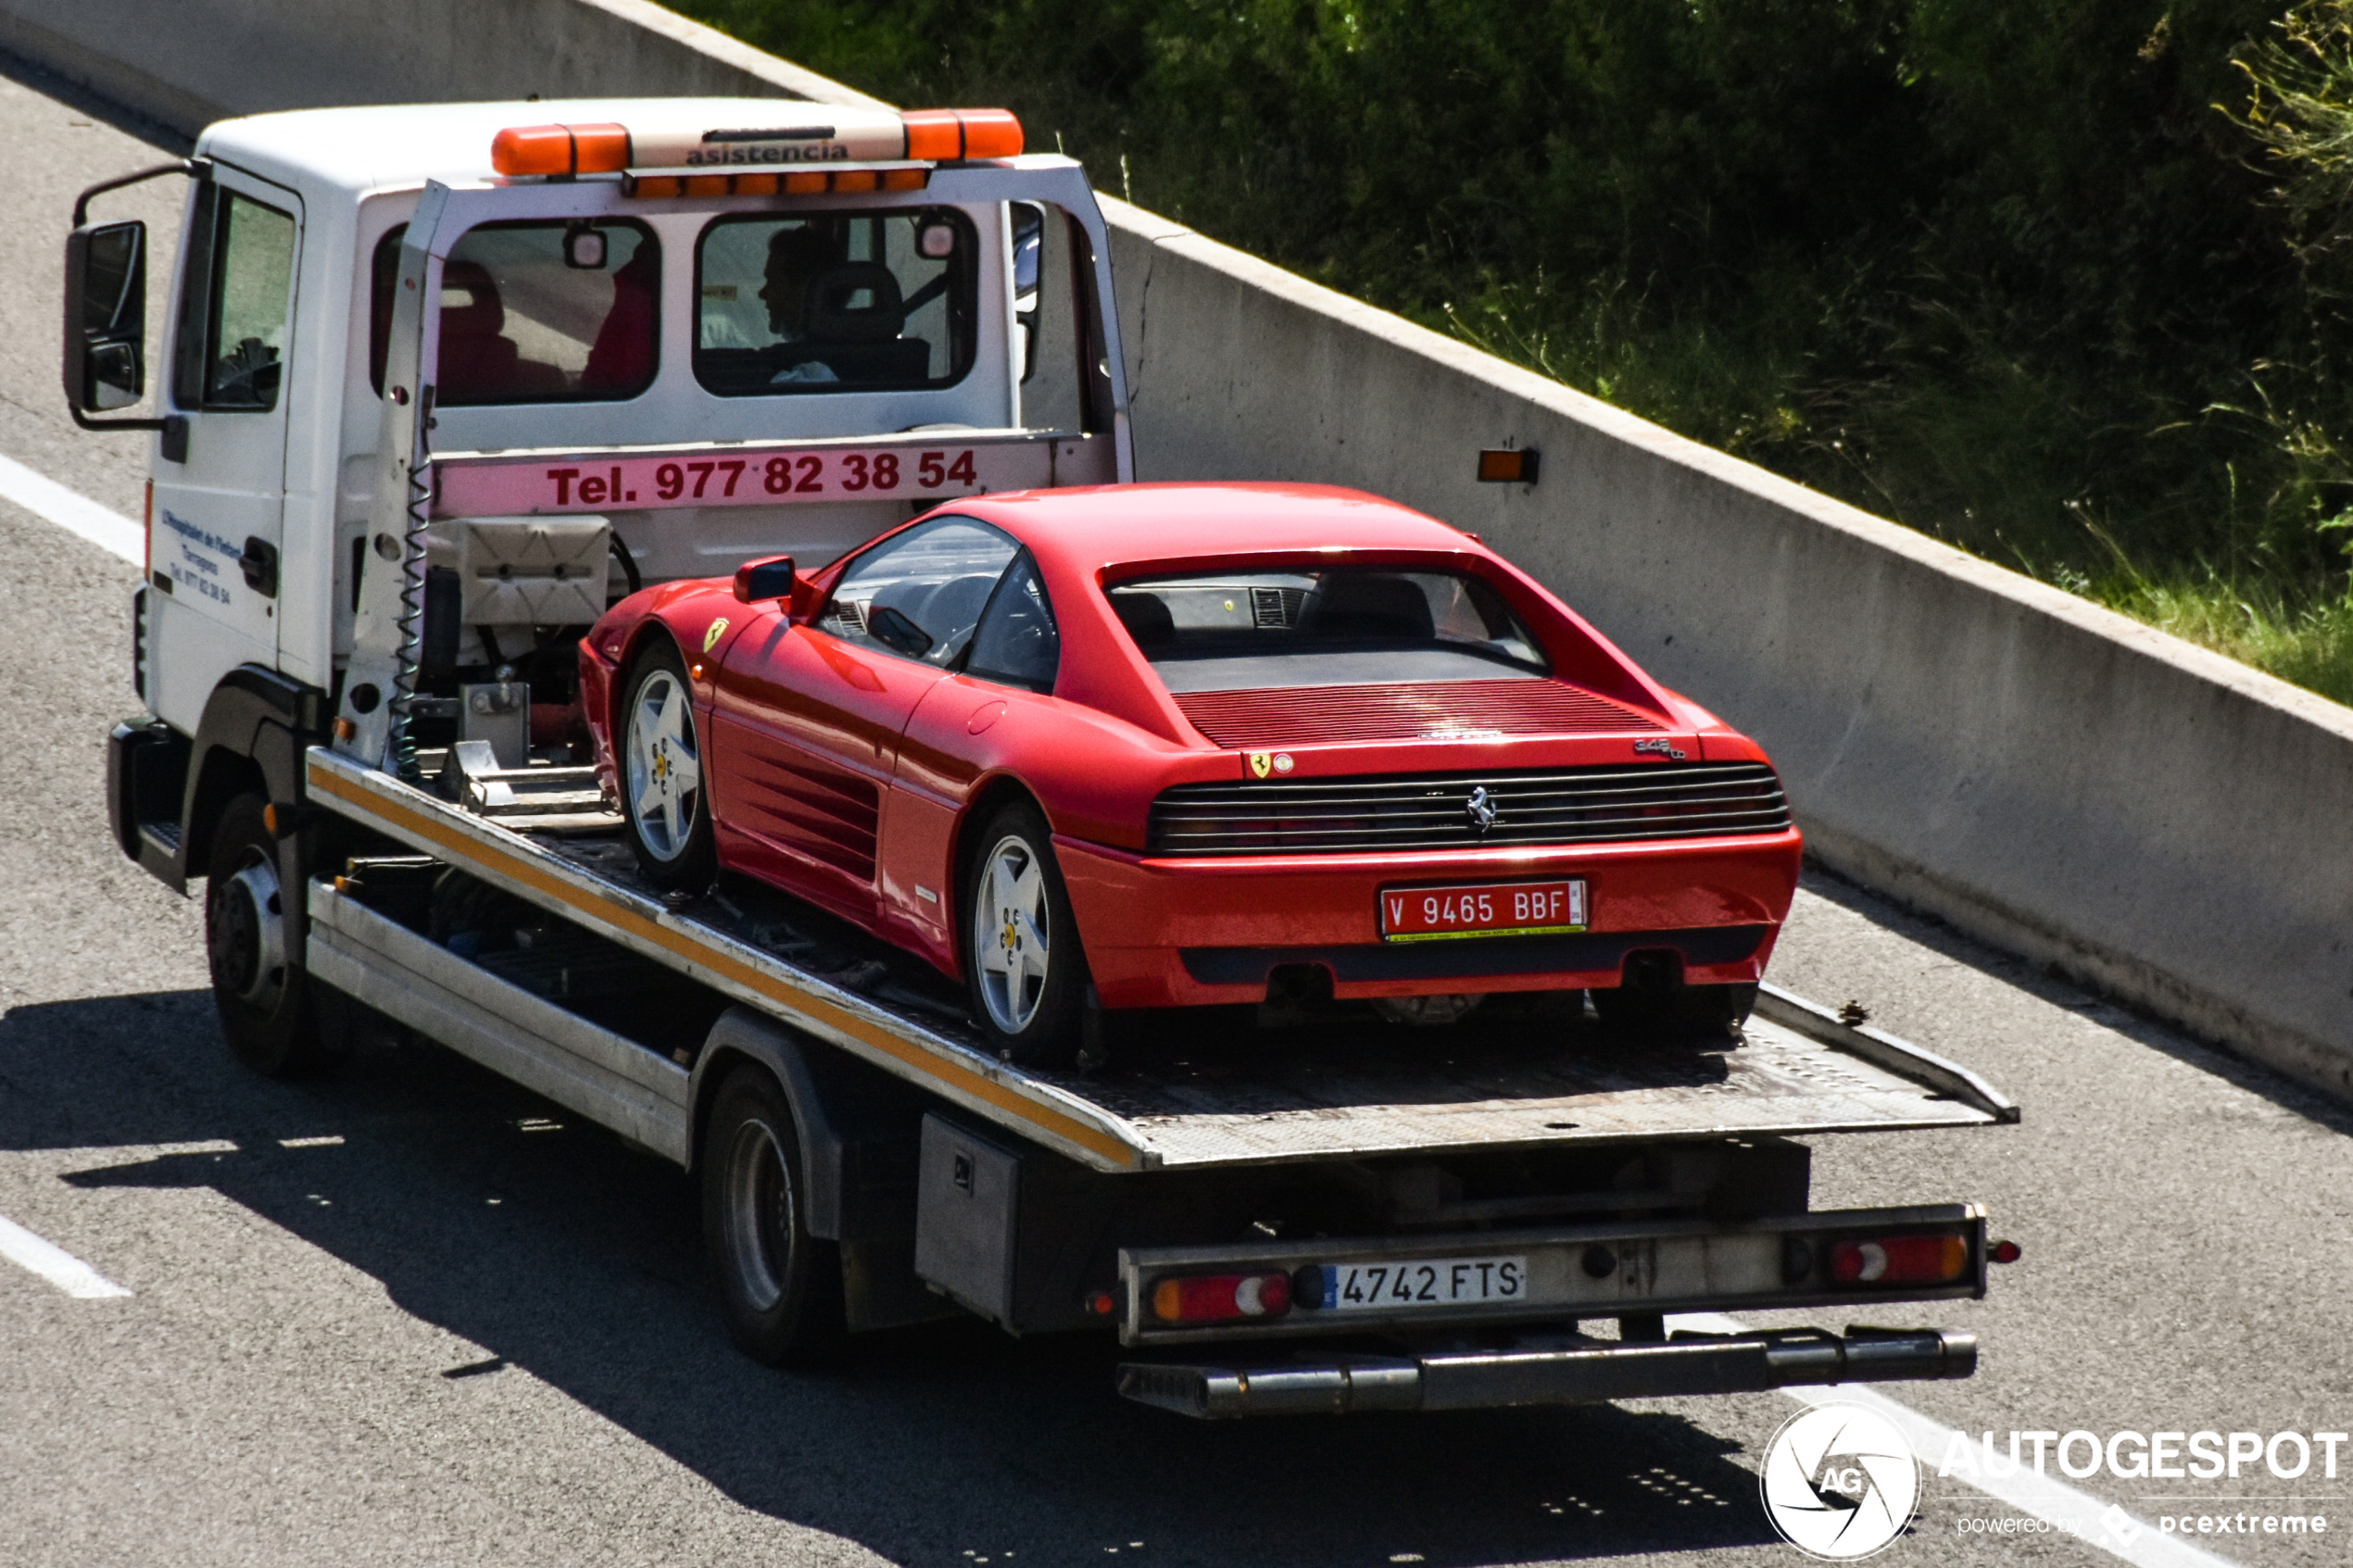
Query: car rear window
[1252,631]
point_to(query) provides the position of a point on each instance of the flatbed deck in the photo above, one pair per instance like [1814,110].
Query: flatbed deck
[1165,1099]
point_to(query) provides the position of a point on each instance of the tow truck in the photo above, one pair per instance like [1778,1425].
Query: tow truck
[440,382]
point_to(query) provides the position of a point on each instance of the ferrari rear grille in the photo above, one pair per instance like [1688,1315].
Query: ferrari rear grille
[1611,804]
[1405,710]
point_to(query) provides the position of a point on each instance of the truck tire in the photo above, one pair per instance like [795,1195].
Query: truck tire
[1023,964]
[662,774]
[258,984]
[779,1287]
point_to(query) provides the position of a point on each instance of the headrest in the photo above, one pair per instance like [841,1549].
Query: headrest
[1363,604]
[483,313]
[855,302]
[1147,619]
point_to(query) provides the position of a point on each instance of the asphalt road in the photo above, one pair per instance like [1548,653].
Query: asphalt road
[407,1315]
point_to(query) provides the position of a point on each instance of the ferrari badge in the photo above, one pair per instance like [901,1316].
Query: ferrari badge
[718,629]
[1260,763]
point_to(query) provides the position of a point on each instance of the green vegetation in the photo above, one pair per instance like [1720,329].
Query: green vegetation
[2063,283]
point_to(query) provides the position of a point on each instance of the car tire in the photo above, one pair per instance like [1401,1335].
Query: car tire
[779,1287]
[660,768]
[1032,1012]
[1676,1013]
[259,987]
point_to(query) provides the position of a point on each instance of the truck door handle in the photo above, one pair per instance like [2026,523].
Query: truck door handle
[259,563]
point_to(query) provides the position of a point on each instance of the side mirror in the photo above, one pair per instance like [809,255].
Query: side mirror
[105,316]
[758,582]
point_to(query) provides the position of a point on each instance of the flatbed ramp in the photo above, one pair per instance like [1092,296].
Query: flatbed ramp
[1170,1101]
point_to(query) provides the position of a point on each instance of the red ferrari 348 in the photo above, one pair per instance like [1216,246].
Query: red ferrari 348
[1178,745]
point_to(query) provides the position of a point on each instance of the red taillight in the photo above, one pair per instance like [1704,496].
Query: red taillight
[1900,1260]
[1221,1298]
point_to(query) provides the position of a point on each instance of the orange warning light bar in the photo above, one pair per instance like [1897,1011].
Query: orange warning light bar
[944,136]
[847,134]
[560,150]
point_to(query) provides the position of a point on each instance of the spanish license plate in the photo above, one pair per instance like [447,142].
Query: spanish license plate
[1415,1282]
[1509,908]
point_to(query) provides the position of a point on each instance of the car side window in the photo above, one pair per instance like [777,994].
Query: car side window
[234,305]
[918,593]
[1018,641]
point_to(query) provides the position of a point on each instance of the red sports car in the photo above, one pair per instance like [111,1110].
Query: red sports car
[1177,744]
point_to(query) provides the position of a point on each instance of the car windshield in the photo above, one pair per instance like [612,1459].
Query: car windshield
[1249,630]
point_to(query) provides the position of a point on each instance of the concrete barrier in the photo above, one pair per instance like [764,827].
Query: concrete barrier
[2166,825]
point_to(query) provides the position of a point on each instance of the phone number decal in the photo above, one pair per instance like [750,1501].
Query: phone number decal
[481,489]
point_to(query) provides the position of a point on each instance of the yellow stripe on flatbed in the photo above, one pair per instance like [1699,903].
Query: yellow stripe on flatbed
[327,778]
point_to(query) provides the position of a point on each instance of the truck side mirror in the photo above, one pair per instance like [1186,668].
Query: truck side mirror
[105,316]
[758,582]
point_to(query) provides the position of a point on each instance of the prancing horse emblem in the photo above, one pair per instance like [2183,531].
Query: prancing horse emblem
[1481,810]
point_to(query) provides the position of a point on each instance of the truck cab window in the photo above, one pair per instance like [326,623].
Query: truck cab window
[233,305]
[846,302]
[523,320]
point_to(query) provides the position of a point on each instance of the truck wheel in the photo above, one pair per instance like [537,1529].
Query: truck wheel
[1023,962]
[257,982]
[779,1287]
[663,795]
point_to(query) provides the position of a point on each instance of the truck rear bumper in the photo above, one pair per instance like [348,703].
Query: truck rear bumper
[1566,1370]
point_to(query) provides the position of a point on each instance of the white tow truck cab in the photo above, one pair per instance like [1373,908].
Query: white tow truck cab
[773,333]
[437,384]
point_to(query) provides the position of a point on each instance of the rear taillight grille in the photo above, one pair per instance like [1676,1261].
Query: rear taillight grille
[1446,810]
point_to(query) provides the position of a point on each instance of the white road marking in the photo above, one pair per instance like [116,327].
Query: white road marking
[2044,1497]
[328,1141]
[72,511]
[54,1264]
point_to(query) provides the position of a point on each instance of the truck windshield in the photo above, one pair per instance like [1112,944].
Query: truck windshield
[1256,631]
[536,312]
[845,302]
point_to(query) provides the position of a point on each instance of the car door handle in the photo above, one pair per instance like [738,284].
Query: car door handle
[259,563]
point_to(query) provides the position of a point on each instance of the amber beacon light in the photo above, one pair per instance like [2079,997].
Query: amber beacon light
[560,150]
[944,136]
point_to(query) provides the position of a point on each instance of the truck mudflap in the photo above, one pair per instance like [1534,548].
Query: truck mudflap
[1555,1370]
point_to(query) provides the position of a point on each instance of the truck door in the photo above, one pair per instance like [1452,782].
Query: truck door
[219,497]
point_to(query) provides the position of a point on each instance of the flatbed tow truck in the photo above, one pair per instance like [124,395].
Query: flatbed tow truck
[1272,1215]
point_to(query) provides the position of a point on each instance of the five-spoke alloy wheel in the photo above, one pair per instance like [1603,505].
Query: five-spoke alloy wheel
[1027,973]
[663,792]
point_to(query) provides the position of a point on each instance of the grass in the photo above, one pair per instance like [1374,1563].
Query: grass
[2308,646]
